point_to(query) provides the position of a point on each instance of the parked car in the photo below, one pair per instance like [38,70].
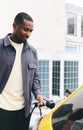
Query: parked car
[66,115]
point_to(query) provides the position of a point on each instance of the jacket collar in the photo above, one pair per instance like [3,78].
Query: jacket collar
[7,43]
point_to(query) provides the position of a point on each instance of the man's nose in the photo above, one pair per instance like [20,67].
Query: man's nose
[28,33]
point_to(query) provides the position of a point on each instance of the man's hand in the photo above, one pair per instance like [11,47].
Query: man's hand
[40,100]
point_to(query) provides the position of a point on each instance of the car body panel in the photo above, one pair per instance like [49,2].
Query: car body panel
[57,114]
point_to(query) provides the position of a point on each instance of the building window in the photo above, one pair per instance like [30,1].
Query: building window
[43,71]
[82,26]
[71,49]
[71,24]
[56,78]
[70,75]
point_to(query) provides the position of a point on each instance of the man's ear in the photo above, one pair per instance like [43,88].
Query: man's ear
[14,25]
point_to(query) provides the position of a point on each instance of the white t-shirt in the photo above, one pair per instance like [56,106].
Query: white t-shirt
[12,97]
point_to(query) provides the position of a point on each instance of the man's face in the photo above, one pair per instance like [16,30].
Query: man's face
[22,31]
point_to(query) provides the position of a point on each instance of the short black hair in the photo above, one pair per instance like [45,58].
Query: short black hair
[21,16]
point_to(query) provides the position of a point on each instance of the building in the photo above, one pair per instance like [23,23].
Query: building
[74,35]
[63,68]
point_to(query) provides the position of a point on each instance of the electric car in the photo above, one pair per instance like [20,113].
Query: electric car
[66,115]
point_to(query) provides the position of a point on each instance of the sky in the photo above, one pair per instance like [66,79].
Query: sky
[76,2]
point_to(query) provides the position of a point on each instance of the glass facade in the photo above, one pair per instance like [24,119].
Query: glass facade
[70,75]
[43,66]
[56,78]
[71,24]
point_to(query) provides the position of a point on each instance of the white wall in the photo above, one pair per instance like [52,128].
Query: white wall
[48,18]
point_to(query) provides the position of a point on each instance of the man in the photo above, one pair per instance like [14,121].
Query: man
[18,75]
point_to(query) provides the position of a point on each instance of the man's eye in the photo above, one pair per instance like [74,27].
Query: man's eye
[28,30]
[25,29]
